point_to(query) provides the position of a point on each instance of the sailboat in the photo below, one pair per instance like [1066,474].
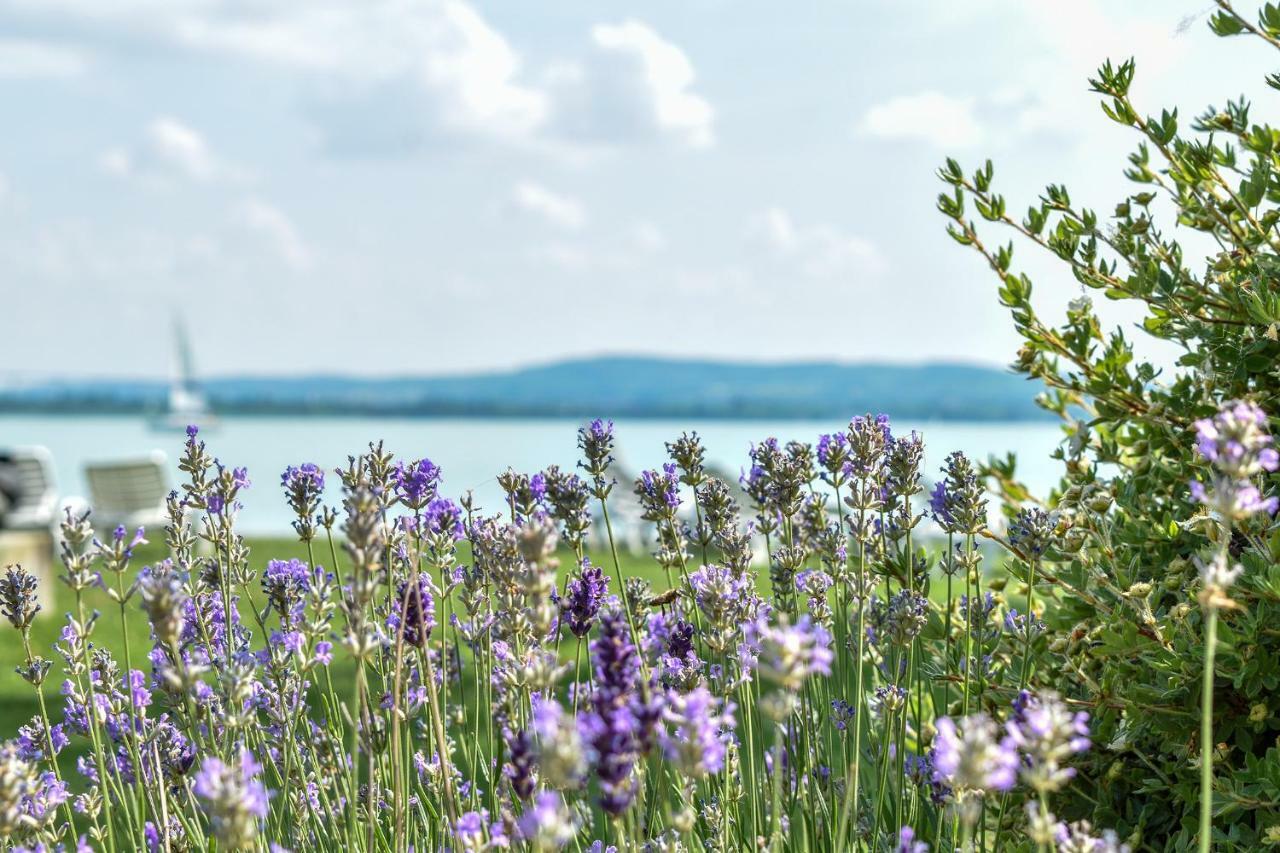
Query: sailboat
[187,404]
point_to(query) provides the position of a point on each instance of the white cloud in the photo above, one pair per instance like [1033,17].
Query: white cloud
[1067,42]
[818,251]
[168,150]
[28,58]
[942,120]
[390,76]
[559,210]
[666,80]
[277,230]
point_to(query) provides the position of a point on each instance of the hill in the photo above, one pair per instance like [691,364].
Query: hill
[616,386]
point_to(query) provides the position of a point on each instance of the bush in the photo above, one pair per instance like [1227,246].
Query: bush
[1128,631]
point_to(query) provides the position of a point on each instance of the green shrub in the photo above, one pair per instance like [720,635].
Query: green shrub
[1124,606]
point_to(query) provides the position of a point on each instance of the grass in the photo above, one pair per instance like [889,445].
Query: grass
[17,698]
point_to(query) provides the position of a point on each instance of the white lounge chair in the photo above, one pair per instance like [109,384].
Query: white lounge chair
[36,507]
[129,492]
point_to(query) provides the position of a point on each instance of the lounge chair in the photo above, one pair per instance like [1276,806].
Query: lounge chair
[35,506]
[129,492]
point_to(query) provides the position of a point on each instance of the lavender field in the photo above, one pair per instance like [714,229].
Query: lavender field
[334,614]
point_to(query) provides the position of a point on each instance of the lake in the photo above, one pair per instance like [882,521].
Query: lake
[471,451]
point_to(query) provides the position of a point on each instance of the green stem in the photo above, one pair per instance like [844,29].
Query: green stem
[1206,730]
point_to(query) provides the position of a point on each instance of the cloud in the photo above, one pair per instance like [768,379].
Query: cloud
[168,150]
[27,58]
[941,120]
[1065,44]
[818,251]
[387,77]
[660,78]
[558,210]
[277,231]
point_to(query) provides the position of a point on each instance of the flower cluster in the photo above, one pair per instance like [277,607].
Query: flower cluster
[465,681]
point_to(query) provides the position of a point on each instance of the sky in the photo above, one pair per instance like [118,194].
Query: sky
[426,186]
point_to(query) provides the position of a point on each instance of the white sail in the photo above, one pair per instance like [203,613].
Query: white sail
[187,403]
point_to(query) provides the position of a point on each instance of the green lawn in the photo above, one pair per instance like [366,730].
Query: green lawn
[17,698]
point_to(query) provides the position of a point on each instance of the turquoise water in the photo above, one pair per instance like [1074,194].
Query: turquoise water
[471,451]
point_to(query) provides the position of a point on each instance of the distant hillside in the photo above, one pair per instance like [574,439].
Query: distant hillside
[613,386]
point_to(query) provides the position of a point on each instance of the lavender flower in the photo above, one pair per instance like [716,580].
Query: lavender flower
[1217,576]
[1078,837]
[166,603]
[907,842]
[700,724]
[789,654]
[234,799]
[584,596]
[415,610]
[559,747]
[443,518]
[596,442]
[689,454]
[569,497]
[659,493]
[303,487]
[1047,733]
[727,599]
[18,600]
[1032,531]
[416,483]
[547,824]
[613,730]
[972,759]
[958,502]
[286,584]
[1237,443]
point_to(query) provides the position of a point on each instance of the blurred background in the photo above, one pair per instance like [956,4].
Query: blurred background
[464,228]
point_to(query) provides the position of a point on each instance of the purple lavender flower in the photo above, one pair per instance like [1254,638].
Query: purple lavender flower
[233,797]
[416,482]
[659,492]
[728,600]
[701,723]
[18,600]
[324,653]
[791,653]
[833,452]
[559,746]
[1047,733]
[584,597]
[303,485]
[613,730]
[547,824]
[907,842]
[972,759]
[285,584]
[520,763]
[939,505]
[1237,442]
[415,608]
[443,517]
[596,442]
[1033,531]
[474,832]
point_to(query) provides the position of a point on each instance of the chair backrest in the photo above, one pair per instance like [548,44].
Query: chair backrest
[37,495]
[127,486]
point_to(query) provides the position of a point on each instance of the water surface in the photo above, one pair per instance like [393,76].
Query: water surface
[471,451]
